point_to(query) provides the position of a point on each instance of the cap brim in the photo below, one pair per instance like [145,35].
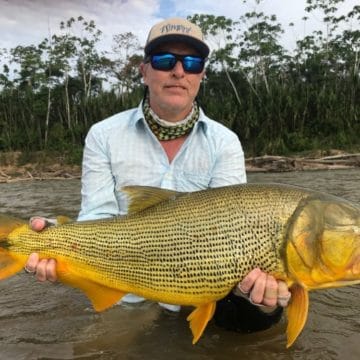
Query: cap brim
[198,45]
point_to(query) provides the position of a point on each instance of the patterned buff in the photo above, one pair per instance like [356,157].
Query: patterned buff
[165,130]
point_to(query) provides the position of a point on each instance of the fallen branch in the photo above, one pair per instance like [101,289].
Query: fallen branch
[268,163]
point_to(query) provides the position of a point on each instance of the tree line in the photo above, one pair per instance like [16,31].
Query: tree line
[278,101]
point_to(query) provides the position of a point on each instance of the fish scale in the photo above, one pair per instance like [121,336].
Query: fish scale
[168,251]
[192,249]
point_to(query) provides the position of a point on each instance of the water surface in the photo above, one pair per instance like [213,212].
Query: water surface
[46,321]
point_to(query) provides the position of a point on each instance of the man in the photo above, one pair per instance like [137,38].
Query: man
[168,142]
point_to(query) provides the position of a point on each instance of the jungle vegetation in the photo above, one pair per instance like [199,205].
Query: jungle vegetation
[278,101]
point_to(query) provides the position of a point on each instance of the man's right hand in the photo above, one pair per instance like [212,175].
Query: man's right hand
[44,269]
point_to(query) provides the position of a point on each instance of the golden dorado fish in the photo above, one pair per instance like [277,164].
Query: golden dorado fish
[193,248]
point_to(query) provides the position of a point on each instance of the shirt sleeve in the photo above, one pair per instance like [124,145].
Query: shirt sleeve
[229,165]
[98,198]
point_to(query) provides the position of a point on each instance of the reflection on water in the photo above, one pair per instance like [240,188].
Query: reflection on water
[45,321]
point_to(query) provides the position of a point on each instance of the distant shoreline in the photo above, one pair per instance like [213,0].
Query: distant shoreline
[269,163]
[49,170]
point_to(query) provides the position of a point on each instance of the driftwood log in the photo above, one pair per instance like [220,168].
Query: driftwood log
[14,174]
[269,163]
[265,163]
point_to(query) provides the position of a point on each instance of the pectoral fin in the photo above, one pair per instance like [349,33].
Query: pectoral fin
[101,296]
[297,313]
[199,318]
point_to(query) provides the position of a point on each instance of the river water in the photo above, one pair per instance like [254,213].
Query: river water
[47,321]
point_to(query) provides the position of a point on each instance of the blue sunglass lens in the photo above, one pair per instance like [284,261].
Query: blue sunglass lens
[166,62]
[193,64]
[163,62]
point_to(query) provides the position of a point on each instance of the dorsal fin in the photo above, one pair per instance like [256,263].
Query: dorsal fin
[61,220]
[143,197]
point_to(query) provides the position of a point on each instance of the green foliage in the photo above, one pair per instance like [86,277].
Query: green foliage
[74,155]
[277,102]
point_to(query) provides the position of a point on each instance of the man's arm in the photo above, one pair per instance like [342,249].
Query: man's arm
[229,168]
[98,198]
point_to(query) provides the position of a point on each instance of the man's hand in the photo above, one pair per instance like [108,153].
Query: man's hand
[37,223]
[44,269]
[263,290]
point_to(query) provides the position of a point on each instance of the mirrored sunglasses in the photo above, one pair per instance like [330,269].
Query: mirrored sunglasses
[166,61]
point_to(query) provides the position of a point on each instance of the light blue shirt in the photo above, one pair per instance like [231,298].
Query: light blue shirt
[121,150]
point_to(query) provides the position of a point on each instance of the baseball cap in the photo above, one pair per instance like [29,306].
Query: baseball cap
[176,30]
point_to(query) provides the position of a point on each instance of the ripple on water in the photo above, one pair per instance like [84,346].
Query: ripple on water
[43,321]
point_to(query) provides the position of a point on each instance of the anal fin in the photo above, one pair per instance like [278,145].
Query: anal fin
[199,318]
[297,313]
[101,296]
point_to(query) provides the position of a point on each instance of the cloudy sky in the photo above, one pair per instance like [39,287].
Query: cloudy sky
[24,22]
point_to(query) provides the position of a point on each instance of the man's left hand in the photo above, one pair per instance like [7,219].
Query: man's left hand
[263,290]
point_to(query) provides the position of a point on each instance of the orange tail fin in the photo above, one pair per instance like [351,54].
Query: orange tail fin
[8,224]
[8,264]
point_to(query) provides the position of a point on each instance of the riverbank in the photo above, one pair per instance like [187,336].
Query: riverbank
[337,160]
[11,173]
[15,166]
[44,167]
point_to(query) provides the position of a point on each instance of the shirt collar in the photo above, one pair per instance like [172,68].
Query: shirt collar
[139,117]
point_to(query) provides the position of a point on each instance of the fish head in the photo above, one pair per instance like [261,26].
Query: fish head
[323,250]
[340,241]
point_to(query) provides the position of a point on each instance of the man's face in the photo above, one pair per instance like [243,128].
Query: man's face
[172,92]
